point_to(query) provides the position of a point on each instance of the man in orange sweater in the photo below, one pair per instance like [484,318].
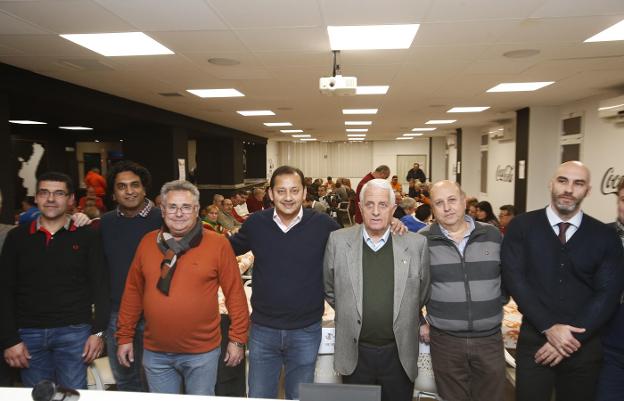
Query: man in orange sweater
[173,282]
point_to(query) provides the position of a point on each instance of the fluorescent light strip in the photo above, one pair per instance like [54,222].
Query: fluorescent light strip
[290,131]
[119,44]
[423,129]
[413,134]
[372,90]
[308,139]
[614,32]
[301,136]
[370,37]
[359,111]
[284,124]
[468,109]
[356,139]
[253,113]
[27,122]
[519,86]
[205,93]
[357,129]
[356,135]
[358,123]
[440,121]
[76,128]
[404,137]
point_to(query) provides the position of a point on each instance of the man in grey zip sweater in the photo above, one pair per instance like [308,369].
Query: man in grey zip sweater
[465,311]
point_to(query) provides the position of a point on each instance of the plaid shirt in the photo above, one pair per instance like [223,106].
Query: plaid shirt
[148,205]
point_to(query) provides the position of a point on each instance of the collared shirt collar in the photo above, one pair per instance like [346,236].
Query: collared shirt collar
[462,244]
[285,228]
[375,246]
[148,205]
[554,219]
[36,226]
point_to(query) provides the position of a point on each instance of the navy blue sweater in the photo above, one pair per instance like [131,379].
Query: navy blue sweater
[288,268]
[120,239]
[578,283]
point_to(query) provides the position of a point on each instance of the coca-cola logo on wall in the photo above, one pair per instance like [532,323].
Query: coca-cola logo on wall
[504,174]
[610,181]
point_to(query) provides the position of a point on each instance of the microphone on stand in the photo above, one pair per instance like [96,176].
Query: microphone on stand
[46,390]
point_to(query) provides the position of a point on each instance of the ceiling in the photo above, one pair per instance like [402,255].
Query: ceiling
[283,49]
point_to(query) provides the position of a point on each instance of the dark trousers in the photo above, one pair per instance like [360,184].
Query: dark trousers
[5,374]
[468,368]
[611,382]
[572,379]
[230,380]
[381,366]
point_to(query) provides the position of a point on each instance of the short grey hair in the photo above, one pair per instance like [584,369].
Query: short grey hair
[378,183]
[408,203]
[179,185]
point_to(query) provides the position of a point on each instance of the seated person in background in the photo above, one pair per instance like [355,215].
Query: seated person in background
[91,196]
[312,203]
[210,221]
[398,212]
[217,200]
[241,207]
[322,195]
[424,214]
[412,222]
[505,215]
[157,201]
[330,184]
[225,217]
[485,214]
[396,185]
[30,211]
[340,191]
[236,200]
[413,189]
[471,207]
[255,201]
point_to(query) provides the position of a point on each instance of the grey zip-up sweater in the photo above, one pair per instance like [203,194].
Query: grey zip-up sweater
[466,295]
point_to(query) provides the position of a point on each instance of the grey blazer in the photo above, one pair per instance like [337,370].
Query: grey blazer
[343,291]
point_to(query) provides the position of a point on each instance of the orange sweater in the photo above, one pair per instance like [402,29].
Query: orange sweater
[186,321]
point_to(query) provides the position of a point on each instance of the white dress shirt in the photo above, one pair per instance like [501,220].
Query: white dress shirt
[375,246]
[285,228]
[554,220]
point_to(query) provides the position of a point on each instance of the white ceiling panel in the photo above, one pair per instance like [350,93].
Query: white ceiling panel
[295,59]
[356,12]
[282,39]
[45,45]
[467,10]
[242,14]
[199,41]
[165,15]
[564,8]
[460,33]
[67,16]
[12,25]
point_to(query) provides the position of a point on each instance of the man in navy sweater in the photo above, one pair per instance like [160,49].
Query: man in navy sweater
[565,270]
[288,243]
[122,229]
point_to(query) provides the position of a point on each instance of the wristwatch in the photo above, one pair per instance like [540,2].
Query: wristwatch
[239,345]
[100,334]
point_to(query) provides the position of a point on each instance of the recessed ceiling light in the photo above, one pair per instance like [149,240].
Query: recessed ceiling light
[97,141]
[284,124]
[27,122]
[372,90]
[358,123]
[404,137]
[519,86]
[252,113]
[356,139]
[370,37]
[356,135]
[522,53]
[290,131]
[223,61]
[230,92]
[467,109]
[413,134]
[440,121]
[359,111]
[357,130]
[76,128]
[121,140]
[614,32]
[302,136]
[308,139]
[119,44]
[424,129]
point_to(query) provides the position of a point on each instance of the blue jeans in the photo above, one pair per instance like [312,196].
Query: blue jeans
[269,349]
[611,382]
[132,378]
[56,354]
[166,371]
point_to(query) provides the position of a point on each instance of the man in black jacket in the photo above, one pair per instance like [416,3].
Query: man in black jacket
[565,271]
[52,273]
[416,173]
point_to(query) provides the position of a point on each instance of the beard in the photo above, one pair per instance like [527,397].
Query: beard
[566,207]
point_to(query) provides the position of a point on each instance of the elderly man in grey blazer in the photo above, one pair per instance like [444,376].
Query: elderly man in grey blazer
[377,283]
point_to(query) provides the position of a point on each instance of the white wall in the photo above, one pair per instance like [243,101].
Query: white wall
[501,155]
[272,157]
[471,160]
[438,159]
[385,152]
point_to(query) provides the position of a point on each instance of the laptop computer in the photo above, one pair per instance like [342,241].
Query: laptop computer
[338,392]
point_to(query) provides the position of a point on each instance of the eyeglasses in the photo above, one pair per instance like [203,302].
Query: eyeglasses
[185,209]
[44,193]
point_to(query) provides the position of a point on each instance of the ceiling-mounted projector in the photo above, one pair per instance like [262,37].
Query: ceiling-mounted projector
[338,85]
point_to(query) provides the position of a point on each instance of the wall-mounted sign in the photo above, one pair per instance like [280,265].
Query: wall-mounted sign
[610,181]
[505,173]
